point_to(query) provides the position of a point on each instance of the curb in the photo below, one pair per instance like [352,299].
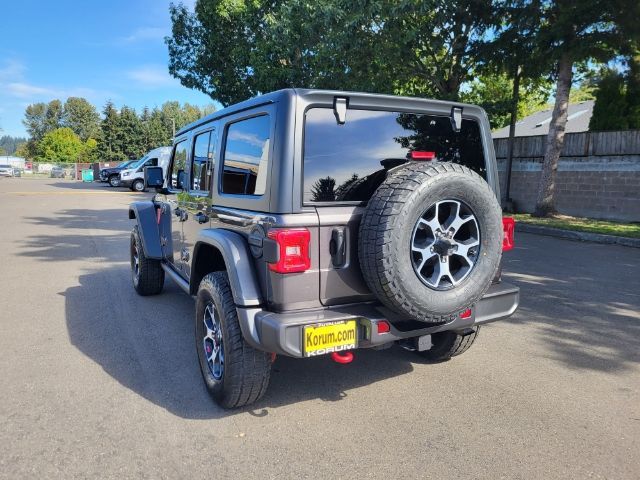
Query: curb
[580,236]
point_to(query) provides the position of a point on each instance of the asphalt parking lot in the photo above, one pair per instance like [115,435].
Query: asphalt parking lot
[98,382]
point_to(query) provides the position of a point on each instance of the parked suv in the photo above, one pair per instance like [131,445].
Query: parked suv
[309,222]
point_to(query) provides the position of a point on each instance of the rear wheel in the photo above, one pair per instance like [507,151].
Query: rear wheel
[114,180]
[449,344]
[235,373]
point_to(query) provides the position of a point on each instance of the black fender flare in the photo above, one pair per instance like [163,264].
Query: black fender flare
[238,260]
[146,217]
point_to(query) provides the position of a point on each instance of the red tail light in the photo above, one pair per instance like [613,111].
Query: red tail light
[293,249]
[509,227]
[383,326]
[420,155]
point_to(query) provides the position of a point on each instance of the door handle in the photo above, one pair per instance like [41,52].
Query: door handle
[201,217]
[337,247]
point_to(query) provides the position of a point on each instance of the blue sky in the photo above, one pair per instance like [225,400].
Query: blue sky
[99,50]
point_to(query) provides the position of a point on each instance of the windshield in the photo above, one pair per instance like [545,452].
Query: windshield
[346,163]
[5,166]
[127,164]
[138,163]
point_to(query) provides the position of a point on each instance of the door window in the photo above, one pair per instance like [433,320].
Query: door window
[152,162]
[246,157]
[178,165]
[203,161]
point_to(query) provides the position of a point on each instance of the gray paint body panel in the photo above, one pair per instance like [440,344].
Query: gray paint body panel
[238,259]
[145,215]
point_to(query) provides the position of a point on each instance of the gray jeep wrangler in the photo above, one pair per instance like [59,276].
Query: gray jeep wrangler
[309,222]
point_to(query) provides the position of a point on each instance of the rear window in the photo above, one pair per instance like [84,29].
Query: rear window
[347,163]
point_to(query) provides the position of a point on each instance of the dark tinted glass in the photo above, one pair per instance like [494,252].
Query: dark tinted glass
[246,157]
[202,166]
[178,165]
[349,162]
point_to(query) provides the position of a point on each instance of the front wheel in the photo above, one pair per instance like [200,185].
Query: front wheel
[138,185]
[114,180]
[235,373]
[147,273]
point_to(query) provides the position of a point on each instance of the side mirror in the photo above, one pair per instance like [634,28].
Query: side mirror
[153,177]
[181,178]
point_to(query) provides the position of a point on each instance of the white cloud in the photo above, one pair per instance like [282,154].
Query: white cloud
[12,70]
[25,90]
[144,34]
[152,76]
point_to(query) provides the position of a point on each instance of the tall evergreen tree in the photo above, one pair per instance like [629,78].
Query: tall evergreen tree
[130,135]
[610,108]
[81,117]
[633,91]
[53,116]
[109,148]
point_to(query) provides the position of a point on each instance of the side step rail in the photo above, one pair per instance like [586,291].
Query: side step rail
[175,276]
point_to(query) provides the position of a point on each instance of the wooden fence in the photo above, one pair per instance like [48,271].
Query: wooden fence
[585,144]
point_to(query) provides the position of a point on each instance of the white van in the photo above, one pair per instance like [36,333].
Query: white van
[133,176]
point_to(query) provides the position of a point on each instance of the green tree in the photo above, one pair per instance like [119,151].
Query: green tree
[233,50]
[610,108]
[494,93]
[23,151]
[88,154]
[570,33]
[633,91]
[10,144]
[35,120]
[130,134]
[109,148]
[81,117]
[60,145]
[53,115]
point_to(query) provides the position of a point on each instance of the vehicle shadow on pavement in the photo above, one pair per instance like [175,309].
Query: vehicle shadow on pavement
[583,300]
[79,218]
[147,345]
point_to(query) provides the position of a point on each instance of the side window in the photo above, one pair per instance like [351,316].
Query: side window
[202,163]
[246,156]
[152,162]
[178,165]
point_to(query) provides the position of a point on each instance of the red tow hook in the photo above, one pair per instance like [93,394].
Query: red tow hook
[344,357]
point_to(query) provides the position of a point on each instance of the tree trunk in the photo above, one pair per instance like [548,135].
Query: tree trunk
[545,203]
[515,98]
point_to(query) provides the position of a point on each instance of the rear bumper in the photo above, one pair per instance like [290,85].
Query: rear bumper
[282,333]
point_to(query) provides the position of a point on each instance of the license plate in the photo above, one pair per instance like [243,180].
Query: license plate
[329,337]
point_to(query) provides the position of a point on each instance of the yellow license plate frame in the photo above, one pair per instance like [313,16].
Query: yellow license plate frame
[324,338]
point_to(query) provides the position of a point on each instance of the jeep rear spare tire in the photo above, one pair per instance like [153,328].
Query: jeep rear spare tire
[430,240]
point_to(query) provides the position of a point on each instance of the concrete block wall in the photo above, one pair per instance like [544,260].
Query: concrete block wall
[595,186]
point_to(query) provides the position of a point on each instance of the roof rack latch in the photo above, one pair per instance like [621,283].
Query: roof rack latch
[340,105]
[456,118]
